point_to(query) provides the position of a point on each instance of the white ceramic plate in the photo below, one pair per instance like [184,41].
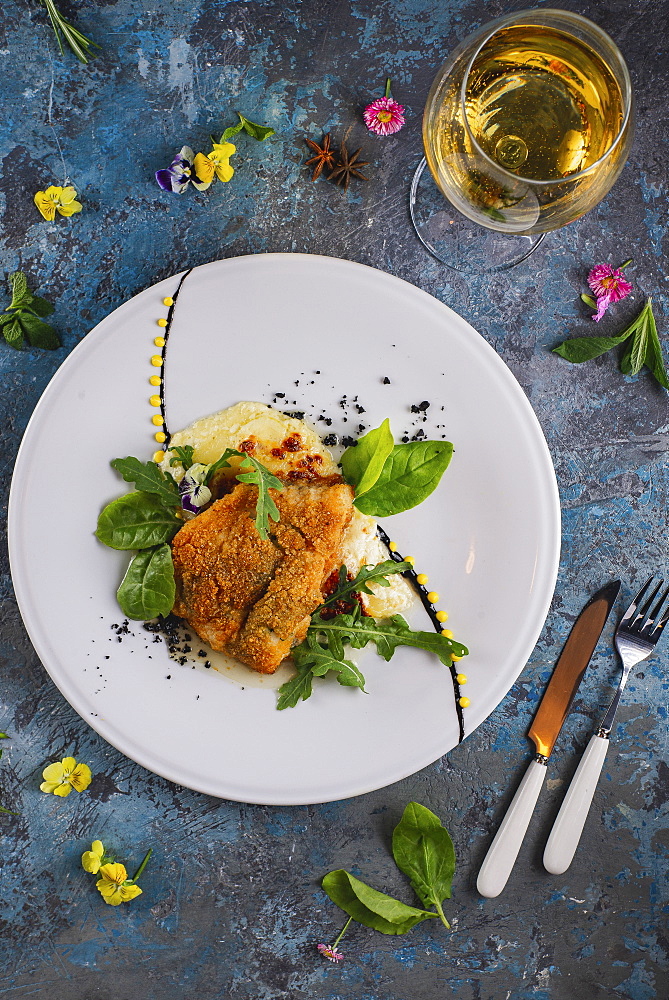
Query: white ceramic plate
[247,328]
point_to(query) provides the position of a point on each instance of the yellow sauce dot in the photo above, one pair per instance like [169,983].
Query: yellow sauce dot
[464,702]
[433,597]
[162,322]
[168,301]
[447,632]
[159,341]
[156,361]
[410,560]
[158,456]
[392,546]
[155,380]
[455,658]
[160,437]
[422,578]
[155,400]
[157,420]
[461,678]
[442,616]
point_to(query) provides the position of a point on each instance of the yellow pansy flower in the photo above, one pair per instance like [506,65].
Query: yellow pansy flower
[217,162]
[92,860]
[57,199]
[64,775]
[113,885]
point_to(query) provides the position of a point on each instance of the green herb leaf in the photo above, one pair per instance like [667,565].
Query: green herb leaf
[222,462]
[37,333]
[265,481]
[369,907]
[137,521]
[229,132]
[360,583]
[424,851]
[149,478]
[589,301]
[147,589]
[411,472]
[259,132]
[580,349]
[79,44]
[296,689]
[40,306]
[12,331]
[182,456]
[645,348]
[363,463]
[19,285]
[654,359]
[387,635]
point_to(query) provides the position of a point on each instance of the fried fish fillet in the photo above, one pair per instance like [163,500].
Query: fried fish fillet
[252,598]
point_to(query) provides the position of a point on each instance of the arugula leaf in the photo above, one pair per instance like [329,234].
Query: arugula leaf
[311,660]
[298,687]
[222,462]
[265,481]
[423,850]
[367,574]
[149,478]
[147,589]
[369,907]
[184,456]
[411,472]
[136,521]
[363,463]
[357,630]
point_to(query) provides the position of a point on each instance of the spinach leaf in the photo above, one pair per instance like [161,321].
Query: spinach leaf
[411,472]
[148,478]
[423,850]
[363,463]
[368,574]
[369,907]
[136,521]
[147,589]
[264,480]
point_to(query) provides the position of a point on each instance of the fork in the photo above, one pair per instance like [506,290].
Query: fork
[635,640]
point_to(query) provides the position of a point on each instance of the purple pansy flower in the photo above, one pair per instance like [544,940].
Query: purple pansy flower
[180,173]
[193,489]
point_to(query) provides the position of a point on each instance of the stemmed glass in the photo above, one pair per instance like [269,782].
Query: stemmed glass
[527,126]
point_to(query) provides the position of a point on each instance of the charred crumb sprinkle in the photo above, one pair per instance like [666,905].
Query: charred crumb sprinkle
[330,439]
[361,428]
[385,380]
[348,441]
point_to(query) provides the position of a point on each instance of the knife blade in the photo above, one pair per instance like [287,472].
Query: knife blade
[544,730]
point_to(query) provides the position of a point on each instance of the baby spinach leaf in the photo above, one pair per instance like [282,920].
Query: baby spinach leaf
[411,472]
[148,478]
[369,907]
[136,521]
[363,463]
[423,850]
[147,589]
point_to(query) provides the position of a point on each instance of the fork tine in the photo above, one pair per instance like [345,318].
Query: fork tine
[631,611]
[656,622]
[643,615]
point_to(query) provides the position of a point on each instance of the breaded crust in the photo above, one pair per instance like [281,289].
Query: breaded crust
[252,598]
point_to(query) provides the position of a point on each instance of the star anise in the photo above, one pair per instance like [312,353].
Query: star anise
[325,157]
[347,167]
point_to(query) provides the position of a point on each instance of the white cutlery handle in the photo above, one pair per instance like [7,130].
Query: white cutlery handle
[503,851]
[570,821]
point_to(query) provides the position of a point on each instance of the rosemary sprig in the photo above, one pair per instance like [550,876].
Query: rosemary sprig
[63,30]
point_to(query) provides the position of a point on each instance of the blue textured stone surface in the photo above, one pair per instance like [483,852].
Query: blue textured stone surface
[231,904]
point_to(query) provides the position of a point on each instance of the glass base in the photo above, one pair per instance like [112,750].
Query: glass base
[457,241]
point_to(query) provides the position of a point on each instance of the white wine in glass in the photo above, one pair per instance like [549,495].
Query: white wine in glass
[526,128]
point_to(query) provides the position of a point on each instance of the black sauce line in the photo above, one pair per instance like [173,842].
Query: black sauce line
[166,337]
[422,592]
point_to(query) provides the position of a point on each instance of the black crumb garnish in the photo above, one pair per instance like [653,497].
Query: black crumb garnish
[280,395]
[405,438]
[330,439]
[385,380]
[296,414]
[348,442]
[360,409]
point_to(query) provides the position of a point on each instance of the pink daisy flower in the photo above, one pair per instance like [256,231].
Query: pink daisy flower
[330,952]
[609,285]
[384,116]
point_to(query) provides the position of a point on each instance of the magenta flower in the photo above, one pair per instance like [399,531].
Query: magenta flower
[609,285]
[384,116]
[329,952]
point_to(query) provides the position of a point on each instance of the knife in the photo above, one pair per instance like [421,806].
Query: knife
[546,725]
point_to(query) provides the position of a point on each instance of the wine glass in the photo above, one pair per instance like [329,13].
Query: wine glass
[527,126]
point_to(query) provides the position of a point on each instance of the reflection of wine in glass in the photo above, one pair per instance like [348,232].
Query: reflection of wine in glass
[526,128]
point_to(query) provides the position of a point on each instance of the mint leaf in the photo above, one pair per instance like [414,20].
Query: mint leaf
[37,333]
[645,348]
[137,521]
[411,472]
[654,359]
[423,850]
[41,306]
[149,478]
[147,589]
[12,331]
[19,285]
[369,907]
[580,349]
[363,463]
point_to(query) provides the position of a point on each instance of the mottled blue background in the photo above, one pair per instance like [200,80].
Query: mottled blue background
[231,904]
